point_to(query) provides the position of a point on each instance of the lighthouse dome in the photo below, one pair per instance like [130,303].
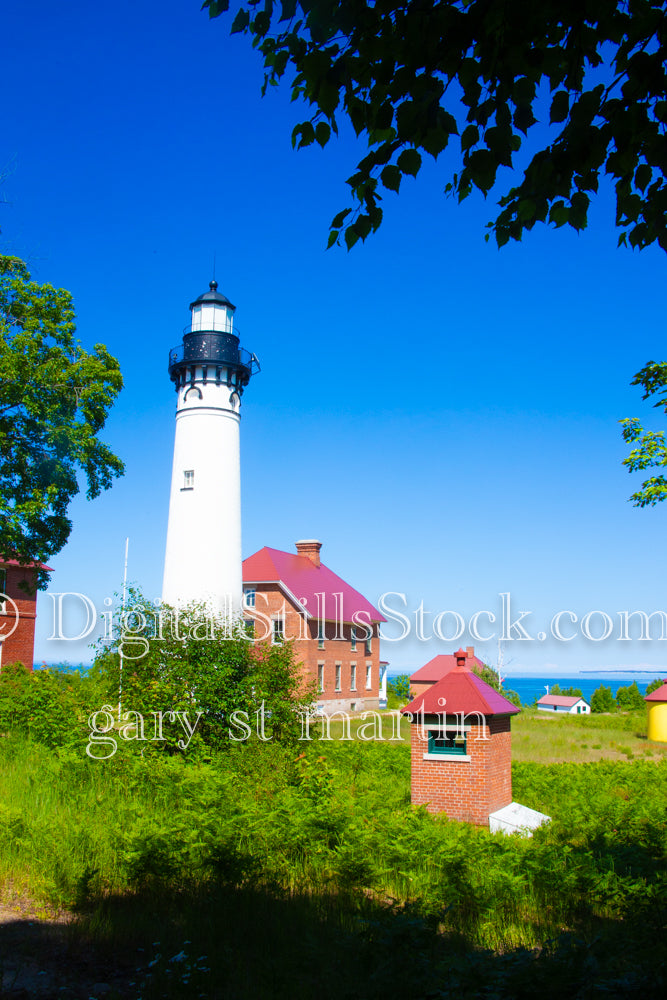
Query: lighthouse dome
[213,297]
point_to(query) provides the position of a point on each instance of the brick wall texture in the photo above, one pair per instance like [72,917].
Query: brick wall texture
[18,647]
[466,790]
[353,693]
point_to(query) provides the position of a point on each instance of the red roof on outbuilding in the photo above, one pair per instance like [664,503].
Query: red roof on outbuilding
[301,579]
[562,700]
[660,694]
[461,690]
[440,665]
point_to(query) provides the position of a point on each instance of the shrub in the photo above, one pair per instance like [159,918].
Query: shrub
[630,697]
[603,700]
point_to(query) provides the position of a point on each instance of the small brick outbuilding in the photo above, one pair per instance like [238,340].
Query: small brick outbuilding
[461,746]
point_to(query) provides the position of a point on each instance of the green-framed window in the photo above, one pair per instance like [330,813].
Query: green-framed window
[449,742]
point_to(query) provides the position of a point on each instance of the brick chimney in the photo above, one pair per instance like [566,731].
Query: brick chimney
[310,548]
[470,652]
[460,658]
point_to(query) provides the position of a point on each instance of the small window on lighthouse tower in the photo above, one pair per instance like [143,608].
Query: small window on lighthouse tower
[189,479]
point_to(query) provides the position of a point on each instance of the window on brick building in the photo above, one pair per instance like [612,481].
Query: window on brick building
[249,627]
[320,677]
[448,742]
[353,677]
[369,675]
[353,639]
[278,631]
[249,597]
[369,643]
[3,590]
[338,677]
[320,635]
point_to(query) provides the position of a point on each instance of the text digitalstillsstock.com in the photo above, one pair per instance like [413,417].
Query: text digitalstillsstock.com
[133,626]
[108,725]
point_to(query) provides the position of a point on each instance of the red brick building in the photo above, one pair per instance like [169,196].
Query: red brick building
[461,746]
[17,612]
[335,630]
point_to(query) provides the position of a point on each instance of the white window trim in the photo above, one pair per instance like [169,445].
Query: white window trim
[274,640]
[353,677]
[445,758]
[249,592]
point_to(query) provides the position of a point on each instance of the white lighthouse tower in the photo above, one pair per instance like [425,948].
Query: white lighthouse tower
[210,371]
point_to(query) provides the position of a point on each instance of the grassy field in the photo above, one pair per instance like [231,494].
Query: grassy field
[274,873]
[543,738]
[548,739]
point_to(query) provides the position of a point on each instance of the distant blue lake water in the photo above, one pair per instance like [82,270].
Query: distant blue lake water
[530,688]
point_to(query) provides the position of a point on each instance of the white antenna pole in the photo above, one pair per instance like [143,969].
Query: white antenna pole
[120,651]
[500,662]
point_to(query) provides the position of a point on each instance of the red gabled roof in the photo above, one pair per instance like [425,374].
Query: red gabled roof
[300,578]
[660,694]
[440,665]
[461,690]
[28,565]
[564,700]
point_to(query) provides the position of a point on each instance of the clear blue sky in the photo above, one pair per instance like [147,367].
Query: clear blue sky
[441,414]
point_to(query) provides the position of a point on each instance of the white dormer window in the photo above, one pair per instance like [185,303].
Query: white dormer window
[189,479]
[249,597]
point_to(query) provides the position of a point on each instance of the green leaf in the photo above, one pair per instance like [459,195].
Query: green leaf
[305,133]
[469,138]
[362,226]
[322,133]
[240,22]
[215,7]
[288,10]
[333,238]
[643,176]
[351,237]
[560,106]
[391,177]
[482,166]
[339,219]
[559,213]
[409,162]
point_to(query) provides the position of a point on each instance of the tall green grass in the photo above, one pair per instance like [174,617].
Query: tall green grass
[73,830]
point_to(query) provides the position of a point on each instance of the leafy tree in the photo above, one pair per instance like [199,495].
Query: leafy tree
[555,689]
[399,686]
[572,692]
[411,76]
[650,450]
[603,700]
[54,401]
[186,661]
[654,685]
[630,697]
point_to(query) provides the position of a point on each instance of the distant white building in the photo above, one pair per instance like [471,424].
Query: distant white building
[563,703]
